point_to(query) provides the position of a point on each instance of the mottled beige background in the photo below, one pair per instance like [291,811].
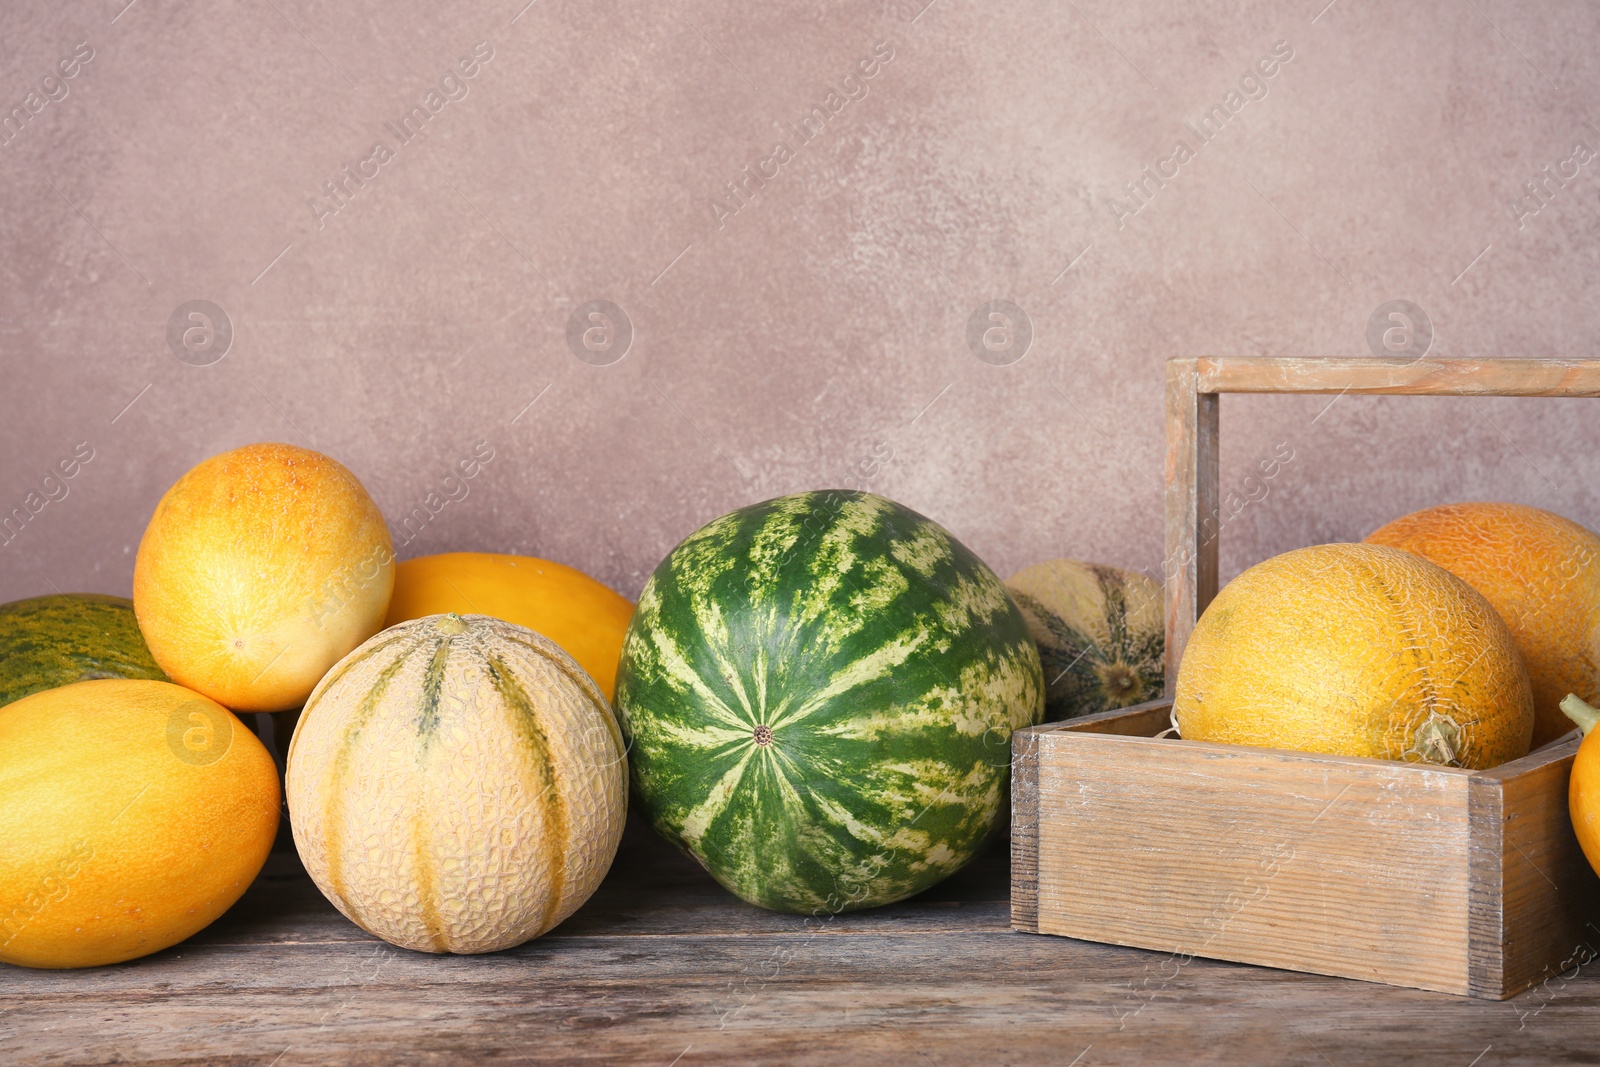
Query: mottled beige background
[822,326]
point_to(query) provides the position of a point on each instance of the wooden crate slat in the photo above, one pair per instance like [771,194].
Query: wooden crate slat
[1403,377]
[1192,478]
[1535,901]
[1025,832]
[1256,856]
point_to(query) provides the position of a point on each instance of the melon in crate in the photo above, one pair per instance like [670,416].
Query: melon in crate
[819,693]
[457,784]
[1101,633]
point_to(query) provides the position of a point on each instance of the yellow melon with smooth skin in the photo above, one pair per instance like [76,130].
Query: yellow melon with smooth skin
[1542,574]
[575,611]
[457,784]
[132,814]
[1356,650]
[1583,788]
[260,568]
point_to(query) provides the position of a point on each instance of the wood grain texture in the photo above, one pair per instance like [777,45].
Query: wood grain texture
[1434,877]
[663,966]
[1534,905]
[1025,831]
[1340,866]
[1192,477]
[1426,377]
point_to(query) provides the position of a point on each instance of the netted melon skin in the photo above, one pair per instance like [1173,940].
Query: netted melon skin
[457,785]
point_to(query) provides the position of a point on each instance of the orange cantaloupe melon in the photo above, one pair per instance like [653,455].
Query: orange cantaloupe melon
[1583,788]
[1542,574]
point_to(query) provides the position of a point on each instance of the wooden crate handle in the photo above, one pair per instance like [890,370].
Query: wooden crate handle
[1194,386]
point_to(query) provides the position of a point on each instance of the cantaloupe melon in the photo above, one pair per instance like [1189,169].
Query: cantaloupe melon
[1583,788]
[1542,574]
[572,609]
[457,784]
[1101,634]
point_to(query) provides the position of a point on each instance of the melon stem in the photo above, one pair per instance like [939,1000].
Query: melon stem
[1580,712]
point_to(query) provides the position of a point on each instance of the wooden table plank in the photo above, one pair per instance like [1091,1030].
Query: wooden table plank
[663,966]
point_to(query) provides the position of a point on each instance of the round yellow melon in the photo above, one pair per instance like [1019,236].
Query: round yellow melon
[457,784]
[132,814]
[1542,574]
[581,615]
[1356,650]
[260,568]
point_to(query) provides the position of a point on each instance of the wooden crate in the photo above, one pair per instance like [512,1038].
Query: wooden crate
[1439,878]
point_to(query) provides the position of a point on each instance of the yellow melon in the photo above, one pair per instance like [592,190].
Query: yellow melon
[132,814]
[457,784]
[1583,788]
[1542,574]
[585,618]
[259,569]
[1357,650]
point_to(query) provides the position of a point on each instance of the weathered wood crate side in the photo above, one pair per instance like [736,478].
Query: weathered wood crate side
[1534,901]
[1145,719]
[1408,874]
[1341,866]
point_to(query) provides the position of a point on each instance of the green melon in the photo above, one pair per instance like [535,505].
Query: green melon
[819,692]
[1101,634]
[51,641]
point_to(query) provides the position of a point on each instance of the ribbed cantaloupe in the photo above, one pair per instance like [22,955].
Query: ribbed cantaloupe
[566,605]
[1356,650]
[457,784]
[1542,574]
[259,569]
[132,814]
[1101,634]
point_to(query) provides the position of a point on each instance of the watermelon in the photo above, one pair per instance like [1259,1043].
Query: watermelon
[819,693]
[51,641]
[1101,634]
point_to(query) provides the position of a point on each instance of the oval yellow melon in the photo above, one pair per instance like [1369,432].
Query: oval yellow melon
[1357,650]
[585,618]
[132,814]
[457,784]
[1542,574]
[260,568]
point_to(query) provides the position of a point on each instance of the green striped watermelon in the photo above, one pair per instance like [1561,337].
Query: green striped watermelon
[819,692]
[55,640]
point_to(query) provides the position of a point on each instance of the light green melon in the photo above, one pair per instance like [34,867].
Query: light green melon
[1101,634]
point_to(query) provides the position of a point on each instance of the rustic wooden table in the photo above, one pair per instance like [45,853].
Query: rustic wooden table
[663,967]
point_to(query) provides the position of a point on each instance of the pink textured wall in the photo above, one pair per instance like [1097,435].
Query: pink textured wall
[816,332]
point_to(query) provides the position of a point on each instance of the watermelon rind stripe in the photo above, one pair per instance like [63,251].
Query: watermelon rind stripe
[819,692]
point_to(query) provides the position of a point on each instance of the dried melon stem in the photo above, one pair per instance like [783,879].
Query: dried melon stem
[1579,711]
[1438,740]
